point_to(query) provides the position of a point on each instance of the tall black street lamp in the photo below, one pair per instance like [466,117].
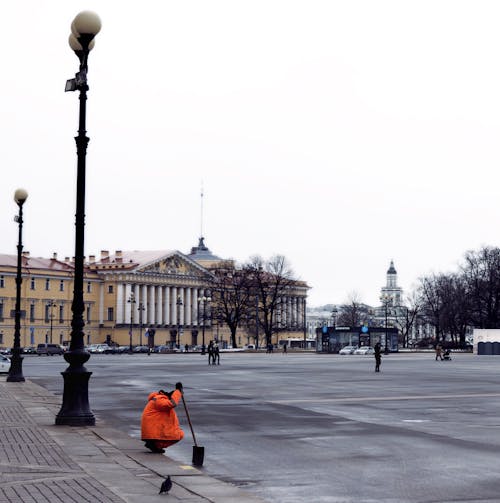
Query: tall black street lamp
[335,312]
[75,410]
[203,300]
[51,305]
[386,300]
[131,301]
[141,309]
[16,362]
[179,305]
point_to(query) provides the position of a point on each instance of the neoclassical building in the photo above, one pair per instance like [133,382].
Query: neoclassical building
[129,297]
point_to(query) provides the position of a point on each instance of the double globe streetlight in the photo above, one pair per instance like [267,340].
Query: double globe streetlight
[75,410]
[16,362]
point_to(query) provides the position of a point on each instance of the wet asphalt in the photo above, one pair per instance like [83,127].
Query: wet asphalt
[320,428]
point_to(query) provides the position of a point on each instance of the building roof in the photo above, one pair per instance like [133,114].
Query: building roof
[36,263]
[201,253]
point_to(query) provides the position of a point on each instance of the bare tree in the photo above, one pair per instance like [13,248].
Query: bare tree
[406,316]
[270,282]
[353,313]
[481,273]
[231,295]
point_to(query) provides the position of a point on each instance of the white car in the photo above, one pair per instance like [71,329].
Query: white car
[348,350]
[364,350]
[4,364]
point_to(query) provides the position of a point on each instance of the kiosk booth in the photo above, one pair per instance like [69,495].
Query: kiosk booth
[333,339]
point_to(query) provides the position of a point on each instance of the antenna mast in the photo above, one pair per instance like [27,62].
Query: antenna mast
[201,210]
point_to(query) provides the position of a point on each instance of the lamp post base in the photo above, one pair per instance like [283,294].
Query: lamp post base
[16,369]
[75,410]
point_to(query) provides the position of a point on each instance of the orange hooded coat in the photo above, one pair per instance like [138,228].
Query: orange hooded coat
[159,420]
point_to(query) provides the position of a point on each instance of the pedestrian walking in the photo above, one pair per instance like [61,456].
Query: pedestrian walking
[216,354]
[210,352]
[159,423]
[285,348]
[378,357]
[439,351]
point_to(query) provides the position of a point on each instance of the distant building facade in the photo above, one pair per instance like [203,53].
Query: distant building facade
[131,298]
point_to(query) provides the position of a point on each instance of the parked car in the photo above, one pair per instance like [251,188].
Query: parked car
[141,349]
[364,350]
[348,350]
[49,349]
[30,350]
[4,364]
[101,348]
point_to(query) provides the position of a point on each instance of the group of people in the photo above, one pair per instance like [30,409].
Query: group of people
[213,353]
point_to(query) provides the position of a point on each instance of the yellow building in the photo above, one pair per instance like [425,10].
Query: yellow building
[46,296]
[128,295]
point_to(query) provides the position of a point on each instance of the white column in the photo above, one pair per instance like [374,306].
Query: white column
[151,304]
[284,319]
[119,303]
[159,304]
[180,294]
[173,306]
[289,310]
[128,306]
[141,300]
[166,306]
[187,301]
[195,307]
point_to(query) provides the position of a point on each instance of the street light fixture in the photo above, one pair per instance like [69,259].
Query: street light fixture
[386,300]
[131,301]
[51,304]
[16,362]
[75,410]
[204,301]
[141,309]
[179,304]
[335,312]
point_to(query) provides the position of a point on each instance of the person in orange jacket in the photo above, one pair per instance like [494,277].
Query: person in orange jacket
[159,423]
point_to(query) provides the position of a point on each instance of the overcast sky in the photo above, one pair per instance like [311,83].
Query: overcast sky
[339,134]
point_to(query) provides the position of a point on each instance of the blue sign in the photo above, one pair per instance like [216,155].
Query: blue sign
[325,330]
[364,329]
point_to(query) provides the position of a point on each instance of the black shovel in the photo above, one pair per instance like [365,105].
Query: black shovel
[198,451]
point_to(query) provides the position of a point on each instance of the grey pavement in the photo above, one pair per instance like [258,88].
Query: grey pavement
[41,462]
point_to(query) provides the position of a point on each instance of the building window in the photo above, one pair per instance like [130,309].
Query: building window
[110,288]
[46,338]
[88,314]
[89,287]
[32,337]
[1,311]
[61,286]
[1,337]
[32,285]
[47,313]
[2,281]
[47,284]
[32,312]
[111,314]
[61,314]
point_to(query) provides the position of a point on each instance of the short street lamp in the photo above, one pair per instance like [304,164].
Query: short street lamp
[51,305]
[179,305]
[75,410]
[141,309]
[16,362]
[335,311]
[203,300]
[386,300]
[131,301]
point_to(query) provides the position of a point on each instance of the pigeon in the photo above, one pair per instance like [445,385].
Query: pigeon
[166,485]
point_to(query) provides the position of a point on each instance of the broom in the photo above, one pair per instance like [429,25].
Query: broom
[198,451]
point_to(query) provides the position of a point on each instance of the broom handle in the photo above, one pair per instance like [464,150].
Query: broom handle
[189,420]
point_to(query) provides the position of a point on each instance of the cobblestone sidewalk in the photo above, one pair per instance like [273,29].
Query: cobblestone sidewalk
[41,462]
